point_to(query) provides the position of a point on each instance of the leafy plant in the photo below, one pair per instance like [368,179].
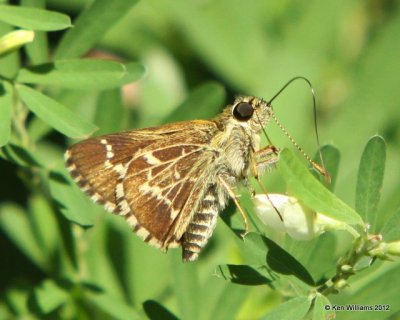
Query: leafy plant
[64,257]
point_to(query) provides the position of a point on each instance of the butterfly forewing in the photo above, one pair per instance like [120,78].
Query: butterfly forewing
[153,177]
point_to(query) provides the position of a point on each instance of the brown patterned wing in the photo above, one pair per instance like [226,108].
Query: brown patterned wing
[153,177]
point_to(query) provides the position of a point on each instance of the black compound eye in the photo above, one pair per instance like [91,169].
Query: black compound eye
[243,111]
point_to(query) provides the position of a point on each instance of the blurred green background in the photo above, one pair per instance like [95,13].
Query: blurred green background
[198,55]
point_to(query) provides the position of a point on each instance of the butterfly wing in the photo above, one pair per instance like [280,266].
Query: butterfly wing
[153,177]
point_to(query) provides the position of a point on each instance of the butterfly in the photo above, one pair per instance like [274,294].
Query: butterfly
[171,182]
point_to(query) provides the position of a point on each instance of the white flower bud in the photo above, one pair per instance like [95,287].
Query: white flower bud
[300,222]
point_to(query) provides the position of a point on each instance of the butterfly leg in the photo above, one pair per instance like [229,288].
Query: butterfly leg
[236,201]
[265,159]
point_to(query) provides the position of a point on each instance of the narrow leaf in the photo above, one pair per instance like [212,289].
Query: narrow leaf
[15,39]
[55,114]
[156,311]
[311,192]
[279,260]
[256,247]
[35,19]
[71,201]
[16,225]
[44,223]
[82,74]
[242,274]
[37,50]
[20,155]
[91,26]
[9,64]
[6,104]
[293,309]
[283,262]
[370,178]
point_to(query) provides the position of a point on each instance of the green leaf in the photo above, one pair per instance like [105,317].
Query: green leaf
[283,262]
[37,50]
[91,26]
[279,260]
[186,289]
[12,41]
[322,307]
[204,102]
[311,192]
[16,298]
[293,309]
[49,296]
[81,74]
[55,114]
[156,311]
[331,157]
[391,229]
[44,224]
[113,306]
[256,247]
[110,112]
[242,274]
[74,205]
[229,302]
[6,104]
[16,225]
[20,155]
[35,19]
[133,71]
[9,64]
[370,178]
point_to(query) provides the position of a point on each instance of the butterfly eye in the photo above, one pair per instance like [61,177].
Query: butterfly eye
[243,111]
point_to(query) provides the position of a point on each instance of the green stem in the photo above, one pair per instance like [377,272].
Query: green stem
[346,265]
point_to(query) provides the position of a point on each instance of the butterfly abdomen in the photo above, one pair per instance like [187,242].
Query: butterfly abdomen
[201,226]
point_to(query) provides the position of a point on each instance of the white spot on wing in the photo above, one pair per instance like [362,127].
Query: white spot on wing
[110,154]
[110,206]
[119,190]
[132,221]
[108,164]
[152,160]
[96,197]
[154,242]
[120,169]
[124,207]
[67,155]
[174,213]
[142,233]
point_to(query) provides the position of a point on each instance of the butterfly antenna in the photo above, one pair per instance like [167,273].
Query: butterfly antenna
[265,132]
[320,168]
